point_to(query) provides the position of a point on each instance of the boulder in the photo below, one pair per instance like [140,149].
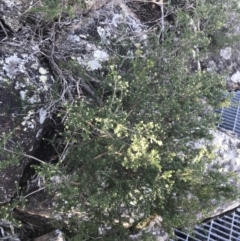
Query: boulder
[226,146]
[25,92]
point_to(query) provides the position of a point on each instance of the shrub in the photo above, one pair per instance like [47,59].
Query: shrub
[52,9]
[132,158]
[134,152]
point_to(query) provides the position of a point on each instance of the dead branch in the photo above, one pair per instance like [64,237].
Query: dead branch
[4,30]
[87,88]
[158,2]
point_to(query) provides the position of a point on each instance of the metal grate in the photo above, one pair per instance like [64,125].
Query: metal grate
[224,228]
[230,116]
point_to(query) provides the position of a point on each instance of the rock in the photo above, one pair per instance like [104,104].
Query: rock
[226,148]
[226,145]
[25,84]
[236,77]
[11,12]
[226,53]
[155,229]
[211,66]
[226,63]
[8,231]
[53,236]
[28,59]
[227,157]
[225,59]
[109,23]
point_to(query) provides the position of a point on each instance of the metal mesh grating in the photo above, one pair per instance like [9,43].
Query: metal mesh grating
[230,116]
[224,228]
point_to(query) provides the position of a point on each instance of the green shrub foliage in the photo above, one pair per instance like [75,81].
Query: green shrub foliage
[54,9]
[134,155]
[135,150]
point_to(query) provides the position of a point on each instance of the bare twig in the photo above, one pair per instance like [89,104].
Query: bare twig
[79,92]
[92,79]
[31,6]
[87,88]
[91,92]
[3,31]
[25,155]
[162,19]
[38,190]
[158,2]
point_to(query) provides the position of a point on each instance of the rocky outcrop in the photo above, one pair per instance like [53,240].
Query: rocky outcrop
[226,146]
[32,84]
[24,88]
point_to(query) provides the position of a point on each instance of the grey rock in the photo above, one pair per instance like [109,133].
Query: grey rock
[225,60]
[52,236]
[226,53]
[154,228]
[25,84]
[227,158]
